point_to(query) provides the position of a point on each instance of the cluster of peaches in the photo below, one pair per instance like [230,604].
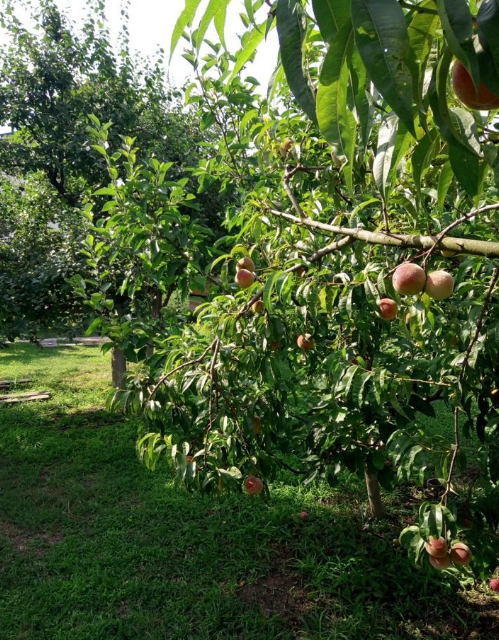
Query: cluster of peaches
[441,558]
[408,279]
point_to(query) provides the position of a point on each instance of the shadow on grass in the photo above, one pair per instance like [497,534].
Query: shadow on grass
[85,529]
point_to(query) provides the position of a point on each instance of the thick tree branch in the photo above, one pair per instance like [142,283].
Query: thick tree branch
[403,241]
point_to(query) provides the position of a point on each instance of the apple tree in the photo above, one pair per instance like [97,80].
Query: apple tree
[368,183]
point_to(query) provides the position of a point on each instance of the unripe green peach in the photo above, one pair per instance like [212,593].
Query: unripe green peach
[409,279]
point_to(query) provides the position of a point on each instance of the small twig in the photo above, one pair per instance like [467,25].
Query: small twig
[180,366]
[291,195]
[213,386]
[385,219]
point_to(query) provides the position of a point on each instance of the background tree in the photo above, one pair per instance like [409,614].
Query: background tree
[53,77]
[39,250]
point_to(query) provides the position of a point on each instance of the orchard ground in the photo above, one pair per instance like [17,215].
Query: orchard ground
[93,546]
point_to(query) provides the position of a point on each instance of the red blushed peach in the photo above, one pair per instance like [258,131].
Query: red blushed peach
[460,553]
[274,345]
[436,548]
[439,285]
[388,308]
[253,485]
[245,263]
[409,279]
[440,563]
[305,342]
[465,90]
[494,584]
[244,278]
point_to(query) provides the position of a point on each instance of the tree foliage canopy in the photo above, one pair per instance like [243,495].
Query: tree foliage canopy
[360,158]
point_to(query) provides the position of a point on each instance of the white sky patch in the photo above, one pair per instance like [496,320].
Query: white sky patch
[151,24]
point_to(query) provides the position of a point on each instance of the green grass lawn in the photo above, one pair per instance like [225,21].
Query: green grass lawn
[94,547]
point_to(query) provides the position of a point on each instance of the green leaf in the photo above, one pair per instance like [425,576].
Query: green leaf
[393,141]
[446,120]
[331,15]
[421,30]
[364,111]
[457,26]
[216,10]
[291,31]
[488,21]
[421,158]
[336,121]
[269,286]
[464,163]
[444,183]
[185,18]
[383,43]
[249,48]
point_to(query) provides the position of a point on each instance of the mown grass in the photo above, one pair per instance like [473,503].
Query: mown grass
[93,546]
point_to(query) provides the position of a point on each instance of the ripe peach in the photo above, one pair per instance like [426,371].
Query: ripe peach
[274,345]
[253,485]
[494,584]
[258,306]
[244,278]
[303,514]
[439,285]
[409,279]
[440,563]
[257,425]
[465,90]
[305,342]
[245,263]
[388,308]
[436,548]
[460,553]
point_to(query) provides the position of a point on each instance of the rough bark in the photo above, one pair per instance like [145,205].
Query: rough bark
[118,366]
[374,495]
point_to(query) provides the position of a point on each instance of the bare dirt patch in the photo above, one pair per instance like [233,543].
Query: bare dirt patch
[281,592]
[26,542]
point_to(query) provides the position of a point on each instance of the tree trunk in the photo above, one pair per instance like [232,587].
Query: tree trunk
[118,366]
[374,495]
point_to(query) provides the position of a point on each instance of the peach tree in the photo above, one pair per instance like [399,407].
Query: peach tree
[368,183]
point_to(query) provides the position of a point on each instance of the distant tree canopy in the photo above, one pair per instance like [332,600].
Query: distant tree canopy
[53,77]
